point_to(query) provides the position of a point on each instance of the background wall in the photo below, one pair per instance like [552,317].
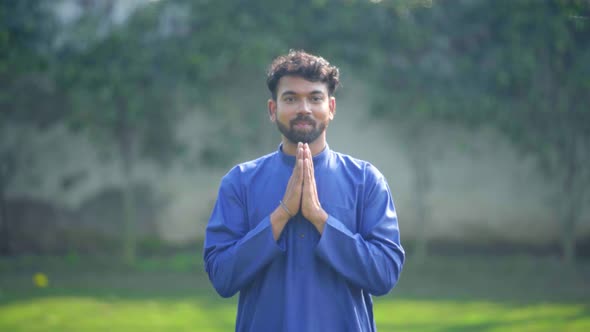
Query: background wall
[483,190]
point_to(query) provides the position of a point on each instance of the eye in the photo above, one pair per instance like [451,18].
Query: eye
[289,99]
[317,99]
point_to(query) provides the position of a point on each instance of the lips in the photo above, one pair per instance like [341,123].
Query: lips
[302,123]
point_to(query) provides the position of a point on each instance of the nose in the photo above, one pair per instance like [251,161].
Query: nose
[304,107]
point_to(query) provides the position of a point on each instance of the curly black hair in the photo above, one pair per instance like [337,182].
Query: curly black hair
[302,64]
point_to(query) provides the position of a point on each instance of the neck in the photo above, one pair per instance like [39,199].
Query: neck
[316,146]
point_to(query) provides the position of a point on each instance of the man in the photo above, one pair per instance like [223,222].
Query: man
[305,234]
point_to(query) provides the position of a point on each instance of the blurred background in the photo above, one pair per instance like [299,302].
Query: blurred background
[118,119]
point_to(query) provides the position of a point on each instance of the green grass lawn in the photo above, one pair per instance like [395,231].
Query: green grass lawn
[446,294]
[196,313]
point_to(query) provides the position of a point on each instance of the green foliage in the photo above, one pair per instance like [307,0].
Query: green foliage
[27,93]
[135,78]
[474,62]
[25,59]
[519,66]
[116,89]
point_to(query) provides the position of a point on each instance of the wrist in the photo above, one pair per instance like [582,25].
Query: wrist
[278,220]
[280,215]
[320,218]
[286,209]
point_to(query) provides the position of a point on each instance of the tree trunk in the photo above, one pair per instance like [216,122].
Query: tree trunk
[419,155]
[129,207]
[571,206]
[570,199]
[126,142]
[421,188]
[4,236]
[568,244]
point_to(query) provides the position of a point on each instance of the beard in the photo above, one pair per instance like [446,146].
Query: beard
[304,136]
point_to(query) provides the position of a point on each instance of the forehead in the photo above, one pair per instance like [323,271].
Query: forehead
[300,85]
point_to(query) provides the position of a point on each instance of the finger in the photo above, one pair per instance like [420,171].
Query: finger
[294,188]
[303,171]
[308,176]
[310,164]
[298,156]
[300,174]
[311,181]
[305,185]
[312,167]
[308,150]
[295,182]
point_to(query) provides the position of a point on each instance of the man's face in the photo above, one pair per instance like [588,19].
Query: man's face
[303,109]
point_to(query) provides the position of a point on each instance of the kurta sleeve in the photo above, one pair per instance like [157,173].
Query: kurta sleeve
[371,259]
[234,254]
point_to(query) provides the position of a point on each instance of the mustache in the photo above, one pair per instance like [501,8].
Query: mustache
[302,118]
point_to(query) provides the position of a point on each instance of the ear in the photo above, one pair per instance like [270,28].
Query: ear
[272,110]
[332,105]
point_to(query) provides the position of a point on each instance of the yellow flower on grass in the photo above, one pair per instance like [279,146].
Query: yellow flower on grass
[40,280]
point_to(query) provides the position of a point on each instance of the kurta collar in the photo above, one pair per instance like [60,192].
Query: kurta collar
[318,159]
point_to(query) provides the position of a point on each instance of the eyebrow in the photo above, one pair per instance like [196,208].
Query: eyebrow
[290,92]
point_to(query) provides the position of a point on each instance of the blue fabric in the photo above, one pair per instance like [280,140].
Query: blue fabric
[304,282]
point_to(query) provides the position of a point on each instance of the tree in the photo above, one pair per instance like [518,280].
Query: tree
[25,85]
[520,67]
[127,87]
[122,95]
[541,78]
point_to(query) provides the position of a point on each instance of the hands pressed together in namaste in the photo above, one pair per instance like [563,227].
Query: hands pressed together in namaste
[301,195]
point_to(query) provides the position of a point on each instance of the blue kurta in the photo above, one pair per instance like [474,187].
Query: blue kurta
[304,282]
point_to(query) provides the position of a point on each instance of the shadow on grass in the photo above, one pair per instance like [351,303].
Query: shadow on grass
[513,279]
[516,279]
